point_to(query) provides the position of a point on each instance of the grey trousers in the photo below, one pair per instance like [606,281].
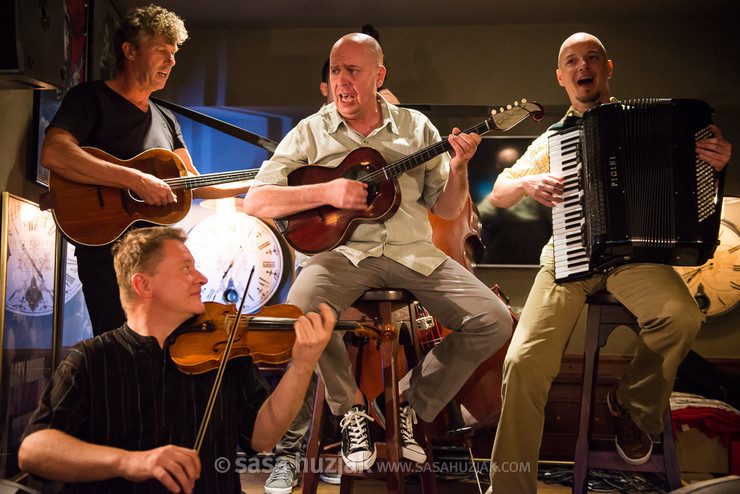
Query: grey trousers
[291,444]
[454,296]
[669,320]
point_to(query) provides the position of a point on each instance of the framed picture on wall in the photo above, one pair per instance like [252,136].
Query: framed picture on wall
[102,20]
[28,260]
[45,106]
[512,235]
[46,102]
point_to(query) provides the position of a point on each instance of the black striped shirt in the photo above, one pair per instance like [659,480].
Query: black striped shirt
[121,389]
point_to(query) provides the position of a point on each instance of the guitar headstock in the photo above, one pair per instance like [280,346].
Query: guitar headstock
[508,117]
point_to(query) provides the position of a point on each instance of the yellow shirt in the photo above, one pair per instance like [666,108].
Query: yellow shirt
[534,161]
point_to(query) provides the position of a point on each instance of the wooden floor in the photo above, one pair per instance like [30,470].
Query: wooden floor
[254,483]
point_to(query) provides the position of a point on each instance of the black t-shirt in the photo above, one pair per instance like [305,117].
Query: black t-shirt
[98,116]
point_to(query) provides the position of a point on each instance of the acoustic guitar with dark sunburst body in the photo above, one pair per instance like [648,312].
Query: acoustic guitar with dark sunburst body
[325,227]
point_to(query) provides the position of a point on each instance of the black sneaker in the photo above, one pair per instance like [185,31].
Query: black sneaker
[410,448]
[358,448]
[633,444]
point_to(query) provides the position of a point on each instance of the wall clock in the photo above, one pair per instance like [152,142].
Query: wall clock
[232,247]
[31,243]
[31,250]
[716,284]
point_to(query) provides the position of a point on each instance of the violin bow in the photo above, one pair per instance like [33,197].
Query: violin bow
[220,374]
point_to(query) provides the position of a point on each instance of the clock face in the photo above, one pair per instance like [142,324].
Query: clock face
[72,283]
[31,254]
[29,287]
[232,250]
[716,284]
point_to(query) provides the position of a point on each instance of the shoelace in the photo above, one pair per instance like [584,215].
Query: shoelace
[283,471]
[408,418]
[357,433]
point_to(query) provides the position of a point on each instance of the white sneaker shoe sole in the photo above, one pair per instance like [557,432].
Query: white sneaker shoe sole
[357,463]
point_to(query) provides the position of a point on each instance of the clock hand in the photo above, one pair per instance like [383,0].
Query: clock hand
[25,251]
[693,274]
[233,258]
[223,277]
[231,265]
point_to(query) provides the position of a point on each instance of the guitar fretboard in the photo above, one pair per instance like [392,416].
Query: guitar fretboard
[211,179]
[403,165]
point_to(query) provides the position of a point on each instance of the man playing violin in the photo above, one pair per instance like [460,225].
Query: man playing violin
[116,116]
[119,416]
[397,252]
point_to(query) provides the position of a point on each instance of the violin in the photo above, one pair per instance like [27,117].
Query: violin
[267,336]
[209,340]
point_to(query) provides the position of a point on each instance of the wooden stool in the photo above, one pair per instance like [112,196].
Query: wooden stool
[390,308]
[604,314]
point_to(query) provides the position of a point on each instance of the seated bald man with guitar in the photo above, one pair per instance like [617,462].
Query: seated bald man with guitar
[367,225]
[117,118]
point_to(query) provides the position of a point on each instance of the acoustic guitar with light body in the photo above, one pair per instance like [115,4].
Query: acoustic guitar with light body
[97,215]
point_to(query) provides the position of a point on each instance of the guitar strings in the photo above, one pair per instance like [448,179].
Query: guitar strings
[193,181]
[404,164]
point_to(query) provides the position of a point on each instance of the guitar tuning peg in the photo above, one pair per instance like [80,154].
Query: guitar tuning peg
[524,100]
[501,109]
[508,107]
[516,103]
[493,112]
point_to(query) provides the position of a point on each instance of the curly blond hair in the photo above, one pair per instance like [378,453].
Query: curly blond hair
[144,22]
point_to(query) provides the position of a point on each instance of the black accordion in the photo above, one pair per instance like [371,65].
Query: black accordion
[634,188]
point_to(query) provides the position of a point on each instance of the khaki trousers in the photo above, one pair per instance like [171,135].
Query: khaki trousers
[669,319]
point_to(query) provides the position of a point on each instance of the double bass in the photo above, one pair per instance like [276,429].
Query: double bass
[477,405]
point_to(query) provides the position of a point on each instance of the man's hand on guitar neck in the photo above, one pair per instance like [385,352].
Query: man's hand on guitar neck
[463,148]
[452,199]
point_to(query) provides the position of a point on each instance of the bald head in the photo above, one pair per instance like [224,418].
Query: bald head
[584,71]
[375,52]
[581,38]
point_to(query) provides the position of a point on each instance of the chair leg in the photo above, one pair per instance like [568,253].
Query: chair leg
[428,479]
[670,458]
[590,358]
[346,485]
[394,478]
[310,478]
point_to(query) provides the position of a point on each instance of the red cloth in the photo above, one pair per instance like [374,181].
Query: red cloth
[713,422]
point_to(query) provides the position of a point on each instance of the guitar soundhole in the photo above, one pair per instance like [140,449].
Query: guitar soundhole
[134,196]
[363,174]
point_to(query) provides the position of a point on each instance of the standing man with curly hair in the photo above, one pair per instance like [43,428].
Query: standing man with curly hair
[116,116]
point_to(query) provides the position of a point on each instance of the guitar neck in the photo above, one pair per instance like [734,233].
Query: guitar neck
[412,161]
[193,182]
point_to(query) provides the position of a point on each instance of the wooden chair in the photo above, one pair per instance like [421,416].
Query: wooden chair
[391,309]
[604,314]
